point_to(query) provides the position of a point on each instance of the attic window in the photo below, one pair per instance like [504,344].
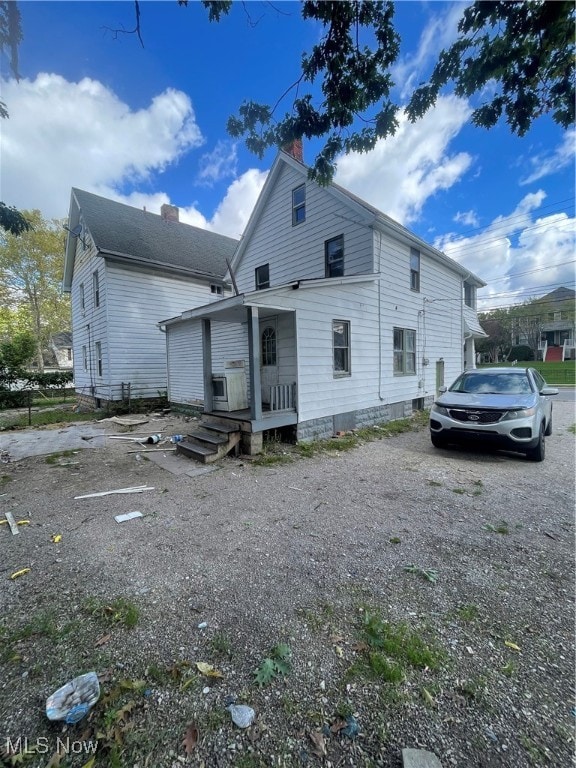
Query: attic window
[414,269]
[217,289]
[334,256]
[299,205]
[262,275]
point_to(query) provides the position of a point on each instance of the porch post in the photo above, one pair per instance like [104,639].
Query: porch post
[207,365]
[254,361]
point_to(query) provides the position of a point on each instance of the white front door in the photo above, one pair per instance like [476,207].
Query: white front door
[268,357]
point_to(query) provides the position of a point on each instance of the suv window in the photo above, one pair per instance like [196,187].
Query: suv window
[538,380]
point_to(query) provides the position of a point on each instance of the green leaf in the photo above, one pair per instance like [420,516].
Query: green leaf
[266,672]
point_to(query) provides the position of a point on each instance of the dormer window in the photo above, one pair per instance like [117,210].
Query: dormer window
[299,205]
[217,289]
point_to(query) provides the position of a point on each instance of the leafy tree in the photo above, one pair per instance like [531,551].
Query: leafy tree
[30,276]
[11,219]
[525,50]
[15,355]
[499,338]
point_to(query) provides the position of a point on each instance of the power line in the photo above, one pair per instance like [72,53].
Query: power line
[519,216]
[531,271]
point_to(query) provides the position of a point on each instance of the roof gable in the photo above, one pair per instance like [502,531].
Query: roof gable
[122,231]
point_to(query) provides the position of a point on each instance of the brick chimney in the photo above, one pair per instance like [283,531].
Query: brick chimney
[295,149]
[169,212]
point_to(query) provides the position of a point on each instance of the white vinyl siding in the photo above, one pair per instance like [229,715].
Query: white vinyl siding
[297,253]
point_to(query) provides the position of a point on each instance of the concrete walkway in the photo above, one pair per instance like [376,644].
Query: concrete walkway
[40,442]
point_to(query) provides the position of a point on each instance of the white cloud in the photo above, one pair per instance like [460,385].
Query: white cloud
[468,218]
[519,255]
[403,171]
[439,33]
[62,134]
[549,163]
[219,164]
[234,211]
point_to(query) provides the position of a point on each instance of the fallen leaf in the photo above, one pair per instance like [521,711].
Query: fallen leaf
[190,739]
[90,763]
[336,639]
[338,651]
[428,698]
[56,538]
[208,669]
[360,647]
[511,645]
[102,640]
[21,522]
[337,725]
[319,743]
[21,572]
[55,760]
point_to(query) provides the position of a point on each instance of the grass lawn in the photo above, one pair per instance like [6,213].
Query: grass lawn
[554,373]
[40,418]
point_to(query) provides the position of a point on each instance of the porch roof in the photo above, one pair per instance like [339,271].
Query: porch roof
[232,309]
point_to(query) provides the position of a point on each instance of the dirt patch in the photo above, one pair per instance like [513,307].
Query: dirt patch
[363,601]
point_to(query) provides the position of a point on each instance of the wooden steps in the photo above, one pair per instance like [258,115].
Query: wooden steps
[209,442]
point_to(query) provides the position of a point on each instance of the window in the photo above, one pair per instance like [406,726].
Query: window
[68,353]
[341,347]
[268,342]
[262,277]
[96,289]
[414,269]
[82,298]
[334,254]
[299,205]
[470,295]
[99,358]
[84,358]
[404,351]
[217,289]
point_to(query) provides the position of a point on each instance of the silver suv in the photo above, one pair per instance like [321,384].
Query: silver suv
[508,407]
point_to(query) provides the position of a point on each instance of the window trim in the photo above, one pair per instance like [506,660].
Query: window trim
[327,263]
[403,369]
[347,371]
[261,285]
[298,206]
[82,297]
[217,290]
[415,269]
[96,288]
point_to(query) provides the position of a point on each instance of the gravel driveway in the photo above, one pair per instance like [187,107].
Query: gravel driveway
[389,596]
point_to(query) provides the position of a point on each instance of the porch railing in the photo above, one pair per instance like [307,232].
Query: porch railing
[282,397]
[566,348]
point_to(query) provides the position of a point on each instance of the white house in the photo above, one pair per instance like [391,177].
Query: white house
[343,318]
[125,269]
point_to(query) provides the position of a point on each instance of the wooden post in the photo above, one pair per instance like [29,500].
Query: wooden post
[207,365]
[254,355]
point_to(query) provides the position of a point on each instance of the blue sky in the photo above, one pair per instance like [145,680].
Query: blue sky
[148,125]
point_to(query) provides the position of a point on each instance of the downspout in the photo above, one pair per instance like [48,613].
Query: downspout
[379,316]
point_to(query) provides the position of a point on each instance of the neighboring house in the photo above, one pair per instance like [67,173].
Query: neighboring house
[126,268]
[343,318]
[557,332]
[60,355]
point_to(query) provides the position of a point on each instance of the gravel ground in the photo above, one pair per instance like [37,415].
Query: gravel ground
[297,570]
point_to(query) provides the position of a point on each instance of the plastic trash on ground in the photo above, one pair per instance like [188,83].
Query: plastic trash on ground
[176,438]
[74,700]
[242,715]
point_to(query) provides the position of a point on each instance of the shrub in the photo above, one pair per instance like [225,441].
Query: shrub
[522,353]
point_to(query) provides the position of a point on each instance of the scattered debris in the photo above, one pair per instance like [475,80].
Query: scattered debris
[127,516]
[509,644]
[128,421]
[430,574]
[5,457]
[203,625]
[242,715]
[419,758]
[73,701]
[135,489]
[346,726]
[154,438]
[176,438]
[12,523]
[56,538]
[152,450]
[19,573]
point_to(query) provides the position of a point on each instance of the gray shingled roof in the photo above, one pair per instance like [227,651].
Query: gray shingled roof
[119,229]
